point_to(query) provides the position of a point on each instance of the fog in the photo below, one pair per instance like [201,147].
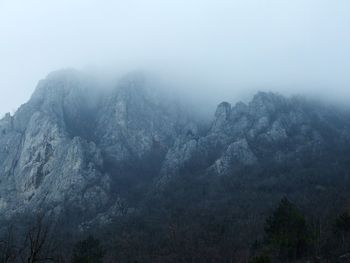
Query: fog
[213,49]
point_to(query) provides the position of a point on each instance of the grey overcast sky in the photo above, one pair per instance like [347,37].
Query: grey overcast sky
[225,47]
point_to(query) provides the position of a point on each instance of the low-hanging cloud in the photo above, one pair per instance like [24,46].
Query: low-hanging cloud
[222,49]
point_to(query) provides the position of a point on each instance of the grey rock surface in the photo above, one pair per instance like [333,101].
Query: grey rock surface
[70,147]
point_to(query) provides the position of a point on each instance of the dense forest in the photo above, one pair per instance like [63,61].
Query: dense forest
[288,235]
[135,177]
[187,131]
[200,218]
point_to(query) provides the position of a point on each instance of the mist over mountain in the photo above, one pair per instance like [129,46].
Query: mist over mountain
[225,50]
[179,131]
[93,160]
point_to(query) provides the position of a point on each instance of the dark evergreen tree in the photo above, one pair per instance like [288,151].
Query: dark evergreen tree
[287,232]
[88,250]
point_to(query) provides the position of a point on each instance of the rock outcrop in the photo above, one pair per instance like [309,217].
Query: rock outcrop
[72,148]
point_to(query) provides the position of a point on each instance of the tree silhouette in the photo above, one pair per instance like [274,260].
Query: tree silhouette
[88,250]
[287,231]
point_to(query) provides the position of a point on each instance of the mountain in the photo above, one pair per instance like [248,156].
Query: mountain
[72,147]
[95,156]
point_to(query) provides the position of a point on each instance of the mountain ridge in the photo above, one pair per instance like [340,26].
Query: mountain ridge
[68,149]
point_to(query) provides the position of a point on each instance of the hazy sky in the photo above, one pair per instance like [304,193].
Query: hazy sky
[226,48]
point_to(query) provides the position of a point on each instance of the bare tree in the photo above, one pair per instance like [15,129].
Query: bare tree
[7,247]
[39,243]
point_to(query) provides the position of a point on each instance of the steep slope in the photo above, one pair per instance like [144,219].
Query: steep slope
[270,128]
[93,156]
[135,128]
[43,163]
[253,155]
[77,149]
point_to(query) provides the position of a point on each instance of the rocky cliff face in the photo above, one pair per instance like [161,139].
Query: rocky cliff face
[66,147]
[44,165]
[269,127]
[98,153]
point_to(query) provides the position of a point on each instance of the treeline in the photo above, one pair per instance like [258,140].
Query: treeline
[44,240]
[289,236]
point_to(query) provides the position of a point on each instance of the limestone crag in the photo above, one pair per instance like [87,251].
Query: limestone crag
[73,148]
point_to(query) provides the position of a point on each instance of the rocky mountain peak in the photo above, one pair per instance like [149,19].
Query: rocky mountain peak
[57,83]
[67,147]
[223,110]
[222,115]
[266,103]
